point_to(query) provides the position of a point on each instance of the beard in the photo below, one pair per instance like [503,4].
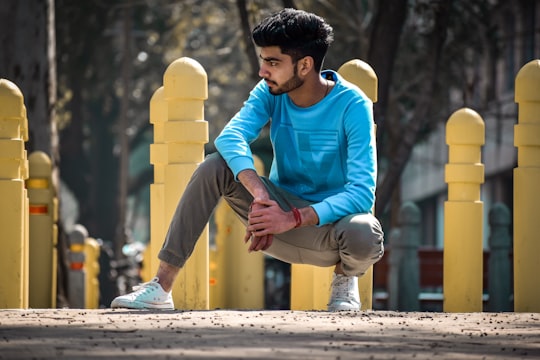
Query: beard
[293,83]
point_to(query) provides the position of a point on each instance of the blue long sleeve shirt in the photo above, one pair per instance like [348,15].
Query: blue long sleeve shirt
[324,153]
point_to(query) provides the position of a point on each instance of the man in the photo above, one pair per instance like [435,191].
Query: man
[315,207]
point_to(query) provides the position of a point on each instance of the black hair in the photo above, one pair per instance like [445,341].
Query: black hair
[297,33]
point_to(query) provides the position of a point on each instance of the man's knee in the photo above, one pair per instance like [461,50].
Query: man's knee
[212,162]
[213,166]
[362,237]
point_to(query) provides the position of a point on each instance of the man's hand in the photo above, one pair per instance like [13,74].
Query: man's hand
[258,242]
[265,219]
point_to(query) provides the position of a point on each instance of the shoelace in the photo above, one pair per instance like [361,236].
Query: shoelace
[143,286]
[342,289]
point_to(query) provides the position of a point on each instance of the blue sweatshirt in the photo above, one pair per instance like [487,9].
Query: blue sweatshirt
[324,153]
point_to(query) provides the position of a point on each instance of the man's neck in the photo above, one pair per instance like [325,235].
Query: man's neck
[313,90]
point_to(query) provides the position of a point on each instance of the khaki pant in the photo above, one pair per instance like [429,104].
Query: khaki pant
[356,240]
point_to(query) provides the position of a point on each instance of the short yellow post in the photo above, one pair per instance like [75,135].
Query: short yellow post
[43,215]
[77,288]
[158,158]
[526,191]
[310,284]
[91,265]
[237,277]
[14,203]
[310,287]
[463,213]
[185,132]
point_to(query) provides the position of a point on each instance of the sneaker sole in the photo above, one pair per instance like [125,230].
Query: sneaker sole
[343,307]
[140,305]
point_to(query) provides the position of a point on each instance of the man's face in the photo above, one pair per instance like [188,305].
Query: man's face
[279,71]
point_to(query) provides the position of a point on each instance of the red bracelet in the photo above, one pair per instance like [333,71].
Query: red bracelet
[297,217]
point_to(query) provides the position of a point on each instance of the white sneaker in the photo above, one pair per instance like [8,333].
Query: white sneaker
[149,295]
[344,293]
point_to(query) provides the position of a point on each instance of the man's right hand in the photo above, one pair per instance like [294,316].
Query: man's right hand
[261,242]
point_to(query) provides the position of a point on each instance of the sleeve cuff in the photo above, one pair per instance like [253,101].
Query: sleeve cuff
[324,212]
[241,163]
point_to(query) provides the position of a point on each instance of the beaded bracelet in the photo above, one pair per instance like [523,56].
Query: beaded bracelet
[297,217]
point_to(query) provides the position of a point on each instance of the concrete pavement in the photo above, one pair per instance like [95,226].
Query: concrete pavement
[231,334]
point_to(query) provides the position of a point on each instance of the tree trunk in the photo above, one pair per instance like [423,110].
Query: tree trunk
[251,53]
[89,162]
[384,44]
[27,59]
[410,131]
[121,231]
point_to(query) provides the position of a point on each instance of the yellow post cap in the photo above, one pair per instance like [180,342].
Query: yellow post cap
[11,100]
[158,106]
[527,80]
[362,75]
[465,127]
[40,165]
[185,78]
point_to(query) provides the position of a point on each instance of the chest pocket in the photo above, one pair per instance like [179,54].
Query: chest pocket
[319,151]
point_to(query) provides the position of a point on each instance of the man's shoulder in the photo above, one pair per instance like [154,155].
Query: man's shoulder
[347,88]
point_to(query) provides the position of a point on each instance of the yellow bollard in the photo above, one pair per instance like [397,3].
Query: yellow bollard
[77,288]
[43,234]
[91,265]
[146,274]
[14,204]
[463,213]
[526,193]
[310,284]
[158,158]
[362,75]
[215,276]
[310,287]
[185,133]
[237,277]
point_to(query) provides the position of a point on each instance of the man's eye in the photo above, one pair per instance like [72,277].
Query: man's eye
[273,63]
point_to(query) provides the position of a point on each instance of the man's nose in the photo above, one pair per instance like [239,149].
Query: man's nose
[263,72]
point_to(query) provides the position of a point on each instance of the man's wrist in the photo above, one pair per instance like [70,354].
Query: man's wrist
[297,217]
[309,216]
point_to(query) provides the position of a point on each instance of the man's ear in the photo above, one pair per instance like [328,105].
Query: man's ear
[305,65]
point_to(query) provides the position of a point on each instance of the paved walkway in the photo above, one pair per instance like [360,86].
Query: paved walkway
[229,334]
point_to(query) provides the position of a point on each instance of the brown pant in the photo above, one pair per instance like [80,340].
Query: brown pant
[355,240]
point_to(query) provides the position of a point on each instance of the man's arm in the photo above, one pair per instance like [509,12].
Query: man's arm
[253,183]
